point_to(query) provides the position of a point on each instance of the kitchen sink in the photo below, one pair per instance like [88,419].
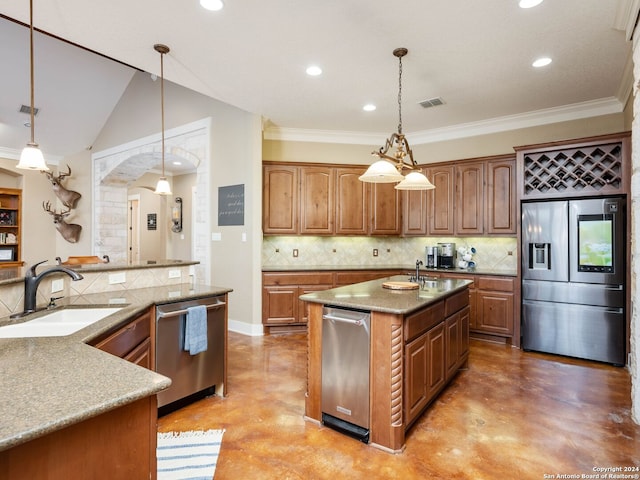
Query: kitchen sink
[58,323]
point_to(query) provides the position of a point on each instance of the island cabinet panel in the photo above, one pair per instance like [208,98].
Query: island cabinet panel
[118,444]
[416,362]
[436,348]
[469,204]
[280,200]
[351,202]
[316,200]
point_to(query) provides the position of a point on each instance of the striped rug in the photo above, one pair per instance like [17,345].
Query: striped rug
[188,455]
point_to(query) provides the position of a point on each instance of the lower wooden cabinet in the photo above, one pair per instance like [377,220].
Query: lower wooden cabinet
[495,305]
[131,341]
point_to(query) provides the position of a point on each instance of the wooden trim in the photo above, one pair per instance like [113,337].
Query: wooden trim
[313,407]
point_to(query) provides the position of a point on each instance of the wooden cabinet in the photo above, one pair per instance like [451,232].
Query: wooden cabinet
[131,341]
[282,309]
[415,216]
[385,209]
[441,200]
[316,200]
[500,206]
[351,202]
[10,227]
[280,199]
[356,276]
[457,340]
[469,204]
[495,306]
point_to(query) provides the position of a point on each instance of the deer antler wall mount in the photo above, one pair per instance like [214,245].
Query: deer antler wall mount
[69,198]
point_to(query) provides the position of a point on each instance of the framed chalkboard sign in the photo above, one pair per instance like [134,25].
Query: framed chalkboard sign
[231,205]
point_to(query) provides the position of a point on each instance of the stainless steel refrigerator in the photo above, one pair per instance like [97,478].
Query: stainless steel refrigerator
[573,275]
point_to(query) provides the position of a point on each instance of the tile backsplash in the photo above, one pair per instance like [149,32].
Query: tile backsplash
[499,253]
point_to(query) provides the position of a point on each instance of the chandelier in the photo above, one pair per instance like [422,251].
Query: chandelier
[389,168]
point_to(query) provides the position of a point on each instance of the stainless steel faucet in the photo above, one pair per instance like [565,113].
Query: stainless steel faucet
[31,282]
[418,263]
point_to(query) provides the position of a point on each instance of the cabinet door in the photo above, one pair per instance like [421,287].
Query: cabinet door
[416,377]
[316,200]
[436,360]
[386,216]
[440,200]
[141,355]
[351,204]
[501,197]
[463,339]
[495,312]
[469,198]
[279,305]
[280,199]
[414,212]
[452,327]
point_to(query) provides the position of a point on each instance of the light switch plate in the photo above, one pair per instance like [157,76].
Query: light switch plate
[174,274]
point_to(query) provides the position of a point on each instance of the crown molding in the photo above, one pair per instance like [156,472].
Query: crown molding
[627,17]
[547,116]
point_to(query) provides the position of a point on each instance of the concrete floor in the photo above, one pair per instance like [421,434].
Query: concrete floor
[511,415]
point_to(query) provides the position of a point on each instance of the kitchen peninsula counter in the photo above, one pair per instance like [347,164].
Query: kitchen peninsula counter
[419,340]
[49,383]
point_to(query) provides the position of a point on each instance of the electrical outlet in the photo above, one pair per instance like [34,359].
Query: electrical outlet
[57,285]
[295,252]
[510,253]
[120,277]
[375,252]
[174,274]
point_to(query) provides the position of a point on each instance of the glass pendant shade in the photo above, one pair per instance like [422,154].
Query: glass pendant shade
[381,172]
[163,187]
[415,181]
[31,158]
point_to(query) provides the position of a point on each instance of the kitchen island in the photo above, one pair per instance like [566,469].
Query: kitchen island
[419,339]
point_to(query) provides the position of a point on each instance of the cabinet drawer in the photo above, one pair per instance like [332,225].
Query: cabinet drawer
[298,278]
[122,341]
[499,284]
[456,302]
[418,323]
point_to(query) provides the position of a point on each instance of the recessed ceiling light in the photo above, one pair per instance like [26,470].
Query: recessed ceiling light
[541,62]
[529,3]
[369,107]
[214,5]
[314,70]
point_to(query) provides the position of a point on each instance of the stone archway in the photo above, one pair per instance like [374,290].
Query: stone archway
[115,169]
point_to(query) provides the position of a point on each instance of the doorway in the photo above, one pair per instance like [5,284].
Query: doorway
[133,229]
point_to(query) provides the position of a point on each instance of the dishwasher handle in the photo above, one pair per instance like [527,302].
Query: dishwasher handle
[182,311]
[351,321]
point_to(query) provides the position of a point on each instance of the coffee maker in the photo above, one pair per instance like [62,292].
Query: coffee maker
[431,256]
[447,255]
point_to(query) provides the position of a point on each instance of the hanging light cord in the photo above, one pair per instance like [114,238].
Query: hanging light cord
[400,95]
[33,136]
[161,103]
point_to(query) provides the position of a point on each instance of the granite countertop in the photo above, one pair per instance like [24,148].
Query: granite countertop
[320,268]
[49,383]
[373,296]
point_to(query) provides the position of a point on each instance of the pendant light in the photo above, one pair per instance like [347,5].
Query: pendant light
[163,187]
[31,157]
[389,168]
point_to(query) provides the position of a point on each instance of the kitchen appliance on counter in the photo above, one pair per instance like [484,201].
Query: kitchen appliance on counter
[573,275]
[447,255]
[189,374]
[432,253]
[346,337]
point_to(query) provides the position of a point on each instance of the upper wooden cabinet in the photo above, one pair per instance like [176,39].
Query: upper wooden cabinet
[326,200]
[469,205]
[500,206]
[441,200]
[414,211]
[280,199]
[351,202]
[316,200]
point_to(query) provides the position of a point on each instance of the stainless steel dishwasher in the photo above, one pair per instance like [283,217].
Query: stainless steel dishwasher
[346,336]
[190,374]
